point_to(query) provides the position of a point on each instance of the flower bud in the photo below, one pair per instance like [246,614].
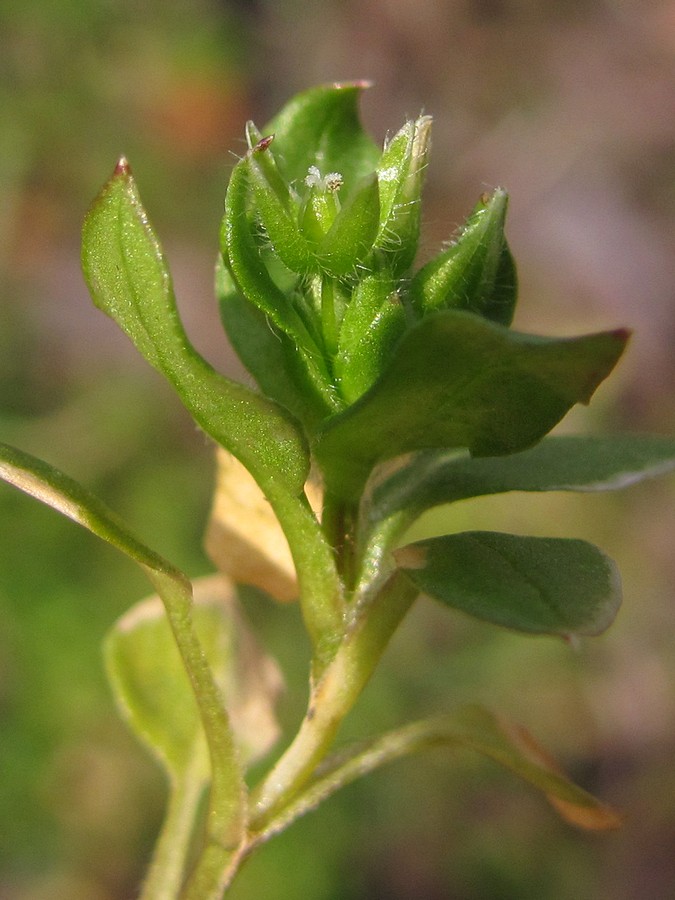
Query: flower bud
[401,176]
[476,273]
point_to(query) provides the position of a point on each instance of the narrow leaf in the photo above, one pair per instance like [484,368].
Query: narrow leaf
[227,818]
[350,237]
[254,282]
[129,280]
[472,728]
[400,175]
[455,380]
[277,213]
[537,585]
[244,257]
[561,463]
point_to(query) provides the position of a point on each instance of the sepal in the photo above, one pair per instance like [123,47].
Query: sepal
[400,173]
[476,273]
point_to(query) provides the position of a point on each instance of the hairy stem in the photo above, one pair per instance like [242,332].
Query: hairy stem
[332,698]
[167,868]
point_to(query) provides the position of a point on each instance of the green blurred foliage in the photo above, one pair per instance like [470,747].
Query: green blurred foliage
[170,84]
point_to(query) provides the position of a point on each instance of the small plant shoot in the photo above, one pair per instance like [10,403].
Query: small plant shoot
[381,391]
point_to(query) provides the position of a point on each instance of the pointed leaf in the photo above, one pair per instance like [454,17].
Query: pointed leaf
[244,257]
[129,280]
[277,212]
[254,282]
[561,463]
[455,380]
[321,127]
[400,175]
[536,585]
[476,273]
[472,728]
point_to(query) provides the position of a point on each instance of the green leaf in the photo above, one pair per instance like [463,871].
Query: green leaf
[536,585]
[244,256]
[458,381]
[321,127]
[400,175]
[472,728]
[227,816]
[476,273]
[129,280]
[372,324]
[561,463]
[154,693]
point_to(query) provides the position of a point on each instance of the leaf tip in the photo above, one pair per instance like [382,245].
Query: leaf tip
[122,167]
[262,144]
[361,84]
[622,335]
[593,817]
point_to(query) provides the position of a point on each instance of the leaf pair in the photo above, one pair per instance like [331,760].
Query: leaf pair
[536,585]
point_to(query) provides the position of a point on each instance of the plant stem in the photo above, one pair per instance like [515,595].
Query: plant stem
[167,868]
[332,698]
[226,819]
[215,869]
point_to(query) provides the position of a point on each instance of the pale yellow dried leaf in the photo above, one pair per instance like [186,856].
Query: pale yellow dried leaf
[249,679]
[244,538]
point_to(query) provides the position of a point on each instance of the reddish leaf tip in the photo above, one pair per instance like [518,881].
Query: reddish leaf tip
[263,144]
[361,84]
[122,167]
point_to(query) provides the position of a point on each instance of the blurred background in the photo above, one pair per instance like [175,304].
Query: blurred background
[570,106]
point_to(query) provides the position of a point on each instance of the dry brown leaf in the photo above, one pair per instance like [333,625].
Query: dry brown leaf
[595,816]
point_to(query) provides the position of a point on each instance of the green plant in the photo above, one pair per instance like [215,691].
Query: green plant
[383,393]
